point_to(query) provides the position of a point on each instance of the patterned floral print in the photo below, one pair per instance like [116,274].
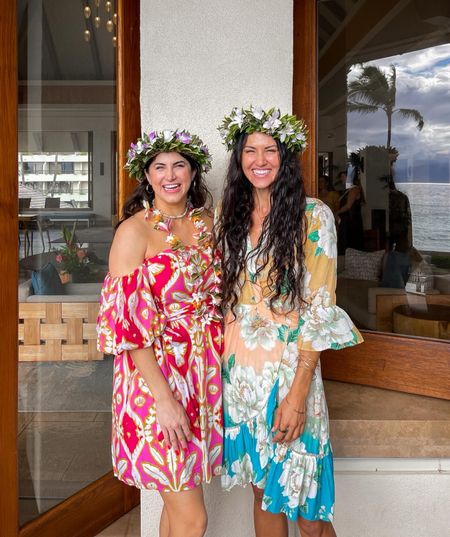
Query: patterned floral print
[260,357]
[170,302]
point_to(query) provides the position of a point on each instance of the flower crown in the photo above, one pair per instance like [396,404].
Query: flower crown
[156,142]
[287,129]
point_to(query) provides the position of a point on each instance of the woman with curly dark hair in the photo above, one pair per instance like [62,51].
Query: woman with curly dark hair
[279,278]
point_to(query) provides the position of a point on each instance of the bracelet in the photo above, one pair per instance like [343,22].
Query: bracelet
[306,363]
[294,409]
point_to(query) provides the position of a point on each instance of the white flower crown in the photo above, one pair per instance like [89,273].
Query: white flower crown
[156,142]
[287,129]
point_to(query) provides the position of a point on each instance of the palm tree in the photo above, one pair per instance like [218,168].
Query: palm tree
[375,90]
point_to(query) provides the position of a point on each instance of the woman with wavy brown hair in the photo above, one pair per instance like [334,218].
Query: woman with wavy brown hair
[279,278]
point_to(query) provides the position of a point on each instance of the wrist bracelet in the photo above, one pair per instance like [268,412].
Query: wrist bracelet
[293,408]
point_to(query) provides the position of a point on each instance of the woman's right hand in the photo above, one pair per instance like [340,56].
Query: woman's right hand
[174,423]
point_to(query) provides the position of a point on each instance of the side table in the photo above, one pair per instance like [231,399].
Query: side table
[434,321]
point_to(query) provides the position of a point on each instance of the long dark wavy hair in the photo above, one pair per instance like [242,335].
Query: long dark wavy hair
[283,232]
[198,194]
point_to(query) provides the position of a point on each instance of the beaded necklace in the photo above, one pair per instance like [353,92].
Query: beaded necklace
[162,222]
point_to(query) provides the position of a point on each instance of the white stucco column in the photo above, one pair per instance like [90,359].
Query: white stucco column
[201,58]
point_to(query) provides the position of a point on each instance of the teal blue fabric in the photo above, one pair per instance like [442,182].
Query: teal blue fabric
[46,281]
[297,480]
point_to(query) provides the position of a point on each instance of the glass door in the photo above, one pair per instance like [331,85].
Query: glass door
[66,116]
[384,116]
[58,199]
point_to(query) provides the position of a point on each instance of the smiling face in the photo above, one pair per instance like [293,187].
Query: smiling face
[260,160]
[170,175]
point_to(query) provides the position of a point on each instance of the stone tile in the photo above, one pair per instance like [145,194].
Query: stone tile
[353,401]
[134,528]
[127,526]
[387,438]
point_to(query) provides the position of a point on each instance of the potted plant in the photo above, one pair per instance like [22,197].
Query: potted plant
[73,260]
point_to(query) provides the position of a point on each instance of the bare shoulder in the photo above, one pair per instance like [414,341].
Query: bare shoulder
[129,246]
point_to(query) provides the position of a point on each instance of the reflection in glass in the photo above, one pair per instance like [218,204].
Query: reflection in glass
[384,119]
[66,159]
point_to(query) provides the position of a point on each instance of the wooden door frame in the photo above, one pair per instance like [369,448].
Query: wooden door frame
[408,364]
[100,503]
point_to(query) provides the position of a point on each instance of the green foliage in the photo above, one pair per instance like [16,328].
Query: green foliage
[71,257]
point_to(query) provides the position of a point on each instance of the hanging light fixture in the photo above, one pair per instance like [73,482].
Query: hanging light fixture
[97,20]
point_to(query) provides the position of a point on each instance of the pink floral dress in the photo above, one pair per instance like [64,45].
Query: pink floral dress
[170,302]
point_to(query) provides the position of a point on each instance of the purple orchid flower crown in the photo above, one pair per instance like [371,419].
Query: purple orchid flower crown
[154,142]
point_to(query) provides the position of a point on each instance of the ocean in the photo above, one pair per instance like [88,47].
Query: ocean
[430,208]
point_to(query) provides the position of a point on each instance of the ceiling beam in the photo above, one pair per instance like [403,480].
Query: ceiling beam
[50,45]
[355,32]
[327,14]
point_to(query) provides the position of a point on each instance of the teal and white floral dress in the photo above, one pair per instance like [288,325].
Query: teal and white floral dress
[260,358]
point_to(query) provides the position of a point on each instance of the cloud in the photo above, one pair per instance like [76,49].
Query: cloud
[423,84]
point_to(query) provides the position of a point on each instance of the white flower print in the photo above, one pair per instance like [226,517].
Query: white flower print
[280,452]
[257,330]
[264,445]
[228,482]
[243,469]
[232,433]
[327,231]
[297,480]
[325,326]
[244,394]
[273,371]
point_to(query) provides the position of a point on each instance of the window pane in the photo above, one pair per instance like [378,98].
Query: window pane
[66,209]
[59,177]
[384,157]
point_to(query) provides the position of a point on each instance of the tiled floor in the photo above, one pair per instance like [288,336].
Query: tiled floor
[127,526]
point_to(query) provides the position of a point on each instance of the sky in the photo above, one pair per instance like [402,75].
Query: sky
[423,83]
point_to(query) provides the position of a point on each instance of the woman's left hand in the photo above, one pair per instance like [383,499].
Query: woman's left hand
[288,423]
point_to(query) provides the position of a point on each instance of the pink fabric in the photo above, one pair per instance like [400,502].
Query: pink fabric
[170,302]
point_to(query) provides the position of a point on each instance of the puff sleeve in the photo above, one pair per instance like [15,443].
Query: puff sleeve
[322,324]
[128,317]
